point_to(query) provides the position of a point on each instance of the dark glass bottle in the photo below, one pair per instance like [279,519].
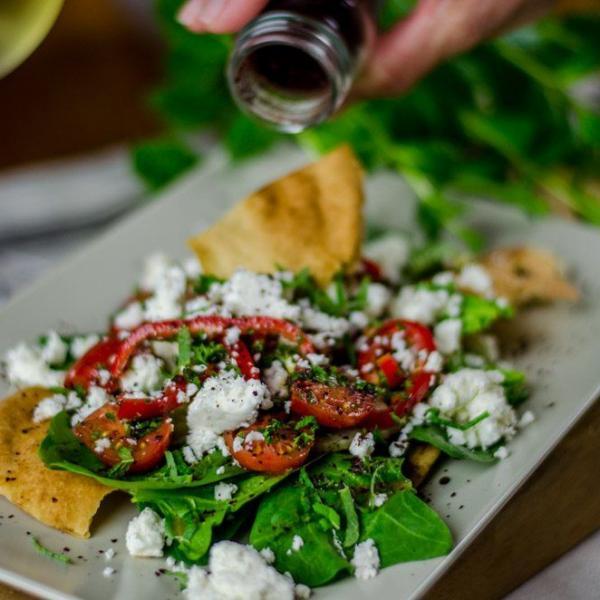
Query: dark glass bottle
[293,66]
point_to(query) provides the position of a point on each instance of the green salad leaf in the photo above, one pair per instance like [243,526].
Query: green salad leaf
[478,314]
[436,436]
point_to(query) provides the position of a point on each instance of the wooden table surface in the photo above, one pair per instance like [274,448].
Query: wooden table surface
[54,105]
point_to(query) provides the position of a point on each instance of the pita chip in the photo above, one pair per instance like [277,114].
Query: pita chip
[310,218]
[59,499]
[524,275]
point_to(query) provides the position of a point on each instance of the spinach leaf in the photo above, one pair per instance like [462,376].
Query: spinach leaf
[478,314]
[515,386]
[434,435]
[61,449]
[352,528]
[406,529]
[285,513]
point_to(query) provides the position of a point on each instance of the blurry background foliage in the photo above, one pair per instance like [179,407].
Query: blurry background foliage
[507,121]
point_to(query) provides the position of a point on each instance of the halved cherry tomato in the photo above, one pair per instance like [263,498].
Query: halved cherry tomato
[335,406]
[136,409]
[211,325]
[147,452]
[401,402]
[418,337]
[85,370]
[279,455]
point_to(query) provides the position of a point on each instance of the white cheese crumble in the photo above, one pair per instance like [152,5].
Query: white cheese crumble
[464,396]
[276,378]
[225,491]
[81,344]
[225,402]
[475,278]
[246,293]
[378,297]
[146,534]
[169,289]
[130,317]
[96,397]
[144,374]
[25,366]
[447,335]
[303,592]
[297,543]
[362,446]
[501,453]
[168,351]
[527,418]
[108,572]
[109,554]
[51,406]
[365,560]
[416,303]
[391,253]
[379,500]
[434,362]
[236,571]
[268,555]
[101,444]
[54,350]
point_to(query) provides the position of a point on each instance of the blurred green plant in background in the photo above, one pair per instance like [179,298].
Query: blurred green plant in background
[500,122]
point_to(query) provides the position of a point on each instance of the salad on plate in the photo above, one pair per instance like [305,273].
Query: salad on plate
[272,405]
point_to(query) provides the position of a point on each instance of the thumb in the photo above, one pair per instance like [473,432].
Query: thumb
[218,16]
[434,31]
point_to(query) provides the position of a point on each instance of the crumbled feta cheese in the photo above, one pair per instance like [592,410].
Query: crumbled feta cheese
[25,366]
[253,436]
[527,418]
[200,305]
[297,543]
[237,571]
[365,560]
[358,320]
[391,253]
[443,279]
[96,397]
[378,297]
[246,294]
[155,266]
[501,453]
[420,304]
[276,377]
[108,572]
[225,402]
[130,317]
[403,354]
[268,555]
[168,351]
[51,406]
[81,344]
[109,554]
[320,322]
[146,534]
[379,500]
[303,592]
[54,350]
[434,362]
[101,444]
[464,396]
[475,278]
[232,336]
[189,456]
[144,374]
[225,491]
[192,267]
[362,446]
[169,289]
[447,335]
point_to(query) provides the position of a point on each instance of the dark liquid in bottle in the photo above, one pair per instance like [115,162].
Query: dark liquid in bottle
[288,69]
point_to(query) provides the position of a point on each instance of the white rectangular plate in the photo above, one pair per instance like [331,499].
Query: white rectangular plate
[80,294]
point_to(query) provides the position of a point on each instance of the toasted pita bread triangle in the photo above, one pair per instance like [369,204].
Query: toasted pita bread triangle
[56,498]
[310,218]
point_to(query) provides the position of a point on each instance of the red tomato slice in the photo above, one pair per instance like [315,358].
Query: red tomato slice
[279,455]
[402,402]
[371,268]
[136,409]
[335,406]
[86,369]
[391,369]
[105,423]
[378,344]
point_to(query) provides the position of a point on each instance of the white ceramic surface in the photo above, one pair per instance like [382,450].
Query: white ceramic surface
[80,294]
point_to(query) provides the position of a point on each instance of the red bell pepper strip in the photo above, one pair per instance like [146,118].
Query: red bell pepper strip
[271,326]
[85,370]
[243,359]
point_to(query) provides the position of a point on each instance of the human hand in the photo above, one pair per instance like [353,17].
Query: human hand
[432,33]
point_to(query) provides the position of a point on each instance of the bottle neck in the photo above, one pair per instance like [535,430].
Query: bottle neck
[290,70]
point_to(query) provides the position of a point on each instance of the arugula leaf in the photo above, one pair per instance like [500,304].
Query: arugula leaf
[435,435]
[352,527]
[406,529]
